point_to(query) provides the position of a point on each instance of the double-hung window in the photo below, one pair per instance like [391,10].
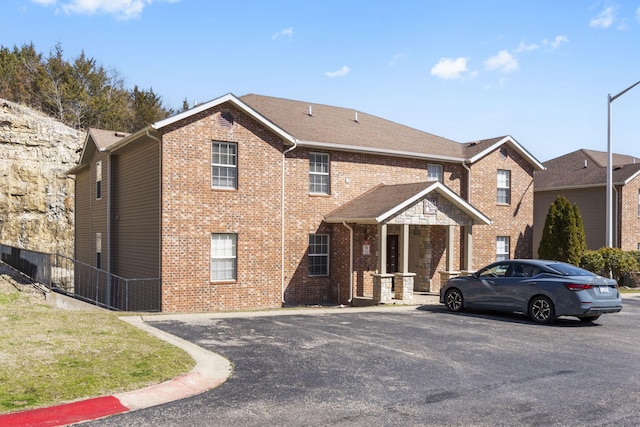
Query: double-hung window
[504,187]
[502,248]
[98,250]
[318,173]
[99,179]
[224,165]
[223,257]
[318,254]
[434,172]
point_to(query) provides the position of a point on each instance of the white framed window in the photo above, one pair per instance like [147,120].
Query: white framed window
[638,203]
[223,257]
[224,165]
[99,179]
[504,187]
[318,173]
[502,248]
[98,250]
[318,254]
[434,172]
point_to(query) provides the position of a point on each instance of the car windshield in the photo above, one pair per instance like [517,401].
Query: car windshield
[570,270]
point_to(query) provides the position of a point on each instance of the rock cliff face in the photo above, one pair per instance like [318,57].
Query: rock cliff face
[36,197]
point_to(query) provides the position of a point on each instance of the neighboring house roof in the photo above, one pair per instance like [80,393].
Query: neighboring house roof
[383,201]
[583,169]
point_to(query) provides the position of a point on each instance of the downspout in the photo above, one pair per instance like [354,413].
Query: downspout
[350,261]
[284,157]
[159,141]
[464,165]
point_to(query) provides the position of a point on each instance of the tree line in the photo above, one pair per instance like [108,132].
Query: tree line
[79,92]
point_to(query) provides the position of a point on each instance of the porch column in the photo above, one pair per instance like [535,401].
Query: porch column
[468,248]
[450,251]
[404,253]
[382,248]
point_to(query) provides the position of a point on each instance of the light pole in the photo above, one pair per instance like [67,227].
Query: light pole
[609,218]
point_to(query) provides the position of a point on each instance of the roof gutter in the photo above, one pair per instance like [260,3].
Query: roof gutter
[379,151]
[282,207]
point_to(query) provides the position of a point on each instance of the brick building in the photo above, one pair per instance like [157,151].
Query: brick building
[581,177]
[256,202]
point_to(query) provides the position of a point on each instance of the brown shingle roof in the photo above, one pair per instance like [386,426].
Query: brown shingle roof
[105,138]
[584,168]
[337,125]
[377,204]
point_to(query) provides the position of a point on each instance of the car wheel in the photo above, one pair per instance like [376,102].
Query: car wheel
[589,318]
[453,300]
[541,310]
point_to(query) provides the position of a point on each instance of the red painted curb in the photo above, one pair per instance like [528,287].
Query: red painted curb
[89,409]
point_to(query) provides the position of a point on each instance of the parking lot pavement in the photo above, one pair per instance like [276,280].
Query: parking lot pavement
[408,365]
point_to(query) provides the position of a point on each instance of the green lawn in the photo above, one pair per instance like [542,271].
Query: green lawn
[50,356]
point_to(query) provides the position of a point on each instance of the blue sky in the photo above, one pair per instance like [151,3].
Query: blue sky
[465,69]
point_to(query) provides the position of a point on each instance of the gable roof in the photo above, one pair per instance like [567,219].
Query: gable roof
[102,139]
[324,126]
[584,169]
[337,128]
[476,150]
[332,128]
[383,201]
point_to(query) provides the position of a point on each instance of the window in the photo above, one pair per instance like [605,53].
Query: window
[318,173]
[318,254]
[224,165]
[504,187]
[434,172]
[638,203]
[98,250]
[502,248]
[223,257]
[99,179]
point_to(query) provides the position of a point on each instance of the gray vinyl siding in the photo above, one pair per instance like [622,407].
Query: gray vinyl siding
[135,243]
[99,214]
[590,201]
[82,217]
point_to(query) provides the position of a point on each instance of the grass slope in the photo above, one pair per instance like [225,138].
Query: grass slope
[50,356]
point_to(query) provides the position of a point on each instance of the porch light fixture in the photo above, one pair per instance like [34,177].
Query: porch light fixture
[609,218]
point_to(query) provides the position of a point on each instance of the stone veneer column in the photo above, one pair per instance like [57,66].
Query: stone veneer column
[404,287]
[382,288]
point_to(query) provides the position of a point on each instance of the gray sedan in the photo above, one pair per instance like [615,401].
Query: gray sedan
[543,289]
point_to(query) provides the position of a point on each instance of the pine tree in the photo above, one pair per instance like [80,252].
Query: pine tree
[563,236]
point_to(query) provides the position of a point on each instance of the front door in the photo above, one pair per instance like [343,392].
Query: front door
[392,253]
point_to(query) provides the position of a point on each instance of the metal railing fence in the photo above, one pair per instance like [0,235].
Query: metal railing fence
[80,280]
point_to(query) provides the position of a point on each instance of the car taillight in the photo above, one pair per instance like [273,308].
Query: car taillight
[577,286]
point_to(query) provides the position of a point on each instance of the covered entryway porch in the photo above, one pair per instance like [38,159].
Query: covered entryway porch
[405,237]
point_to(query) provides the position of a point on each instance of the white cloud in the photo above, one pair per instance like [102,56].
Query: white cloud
[526,47]
[338,73]
[287,32]
[397,58]
[604,19]
[503,61]
[448,68]
[555,43]
[122,9]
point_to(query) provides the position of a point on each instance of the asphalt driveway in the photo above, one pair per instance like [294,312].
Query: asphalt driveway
[421,366]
